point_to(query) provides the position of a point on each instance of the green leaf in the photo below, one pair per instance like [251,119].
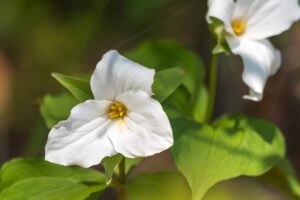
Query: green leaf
[284,177]
[166,82]
[178,104]
[110,164]
[218,30]
[165,54]
[189,98]
[234,146]
[23,168]
[79,88]
[130,163]
[158,186]
[56,108]
[49,188]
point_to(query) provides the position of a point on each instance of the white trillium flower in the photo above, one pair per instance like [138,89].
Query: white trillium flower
[121,119]
[248,24]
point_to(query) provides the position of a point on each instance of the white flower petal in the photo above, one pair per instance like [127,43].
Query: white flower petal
[266,18]
[145,131]
[253,96]
[241,9]
[260,60]
[82,138]
[221,9]
[116,74]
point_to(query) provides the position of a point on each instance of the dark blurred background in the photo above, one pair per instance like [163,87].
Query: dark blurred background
[40,37]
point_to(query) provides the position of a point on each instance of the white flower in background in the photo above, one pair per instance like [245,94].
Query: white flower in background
[122,118]
[248,24]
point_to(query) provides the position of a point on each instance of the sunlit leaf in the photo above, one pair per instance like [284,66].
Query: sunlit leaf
[23,168]
[48,188]
[234,146]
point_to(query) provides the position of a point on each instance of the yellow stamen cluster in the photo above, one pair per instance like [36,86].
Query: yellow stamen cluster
[238,27]
[116,110]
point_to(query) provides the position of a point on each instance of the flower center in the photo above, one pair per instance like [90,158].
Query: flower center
[116,110]
[238,27]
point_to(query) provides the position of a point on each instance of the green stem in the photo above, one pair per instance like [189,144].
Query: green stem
[212,87]
[122,179]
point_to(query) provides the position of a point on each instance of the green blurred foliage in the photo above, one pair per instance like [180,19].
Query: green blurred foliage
[42,37]
[140,12]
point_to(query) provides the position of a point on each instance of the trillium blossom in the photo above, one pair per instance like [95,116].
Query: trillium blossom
[248,24]
[121,119]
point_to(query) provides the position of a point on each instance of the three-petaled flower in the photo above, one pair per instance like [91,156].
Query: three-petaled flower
[248,24]
[121,119]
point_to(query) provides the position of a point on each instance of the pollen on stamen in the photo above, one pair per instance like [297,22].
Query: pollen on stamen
[117,111]
[238,27]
